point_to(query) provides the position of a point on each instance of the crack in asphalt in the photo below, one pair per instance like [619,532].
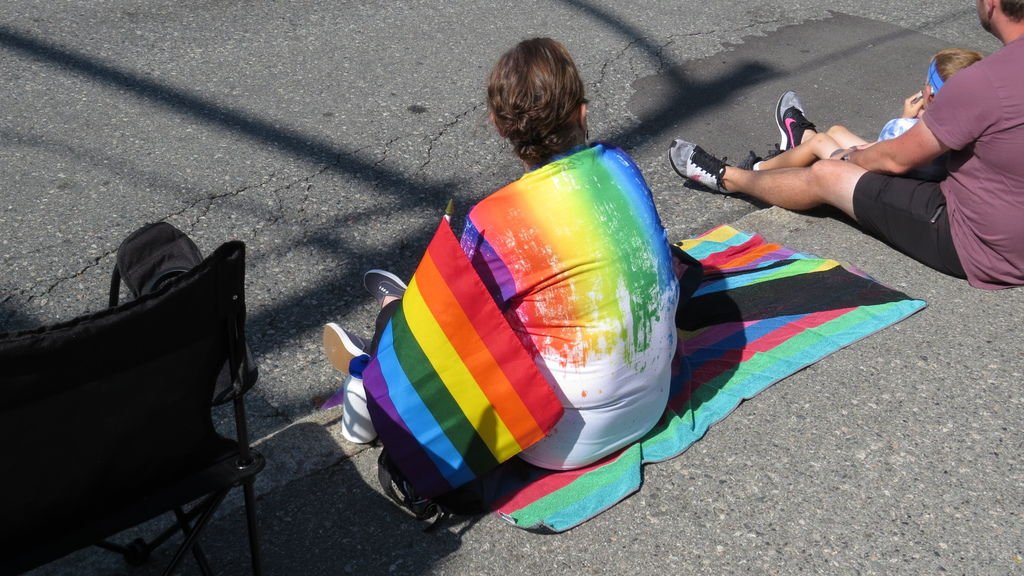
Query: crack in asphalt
[608,62]
[659,57]
[14,292]
[208,202]
[387,148]
[308,181]
[306,184]
[444,130]
[279,200]
[755,24]
[61,280]
[660,54]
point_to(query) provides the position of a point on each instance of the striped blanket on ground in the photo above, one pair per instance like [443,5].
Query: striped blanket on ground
[762,313]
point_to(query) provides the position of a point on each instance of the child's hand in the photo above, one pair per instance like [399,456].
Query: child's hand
[913,105]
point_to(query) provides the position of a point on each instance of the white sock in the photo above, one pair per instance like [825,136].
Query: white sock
[757,165]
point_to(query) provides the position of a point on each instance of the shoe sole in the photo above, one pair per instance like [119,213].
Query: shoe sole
[672,162]
[338,347]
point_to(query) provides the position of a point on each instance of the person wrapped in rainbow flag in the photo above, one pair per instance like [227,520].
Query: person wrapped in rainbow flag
[548,332]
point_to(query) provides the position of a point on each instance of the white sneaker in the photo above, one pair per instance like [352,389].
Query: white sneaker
[693,163]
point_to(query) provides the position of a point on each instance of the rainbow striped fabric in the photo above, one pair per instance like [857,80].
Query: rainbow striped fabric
[575,254]
[762,313]
[574,243]
[452,391]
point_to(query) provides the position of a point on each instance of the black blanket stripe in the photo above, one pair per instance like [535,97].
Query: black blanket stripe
[714,274]
[831,289]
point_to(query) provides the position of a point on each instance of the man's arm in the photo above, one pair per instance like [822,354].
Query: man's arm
[913,148]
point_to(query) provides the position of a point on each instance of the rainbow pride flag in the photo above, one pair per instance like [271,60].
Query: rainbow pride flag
[452,391]
[762,313]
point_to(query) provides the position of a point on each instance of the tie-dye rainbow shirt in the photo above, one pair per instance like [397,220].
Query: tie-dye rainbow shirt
[576,256]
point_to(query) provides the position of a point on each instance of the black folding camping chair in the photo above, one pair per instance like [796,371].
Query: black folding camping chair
[106,421]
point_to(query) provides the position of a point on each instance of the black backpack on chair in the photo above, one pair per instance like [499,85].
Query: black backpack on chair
[146,260]
[151,256]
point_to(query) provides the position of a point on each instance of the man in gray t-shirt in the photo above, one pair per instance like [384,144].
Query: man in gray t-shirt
[970,225]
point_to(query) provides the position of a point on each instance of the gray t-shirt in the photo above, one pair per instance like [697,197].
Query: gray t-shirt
[979,114]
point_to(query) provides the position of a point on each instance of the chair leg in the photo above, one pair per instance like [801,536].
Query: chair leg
[135,553]
[254,537]
[197,551]
[190,539]
[138,551]
[112,547]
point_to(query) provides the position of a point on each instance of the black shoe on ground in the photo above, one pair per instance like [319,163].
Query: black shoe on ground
[749,161]
[382,284]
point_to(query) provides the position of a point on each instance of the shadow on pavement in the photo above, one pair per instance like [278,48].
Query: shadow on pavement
[327,522]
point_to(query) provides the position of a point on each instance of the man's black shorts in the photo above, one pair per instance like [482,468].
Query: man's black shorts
[909,215]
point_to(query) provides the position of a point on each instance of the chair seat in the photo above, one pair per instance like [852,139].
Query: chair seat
[223,469]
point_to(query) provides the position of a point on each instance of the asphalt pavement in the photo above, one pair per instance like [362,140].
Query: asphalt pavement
[329,136]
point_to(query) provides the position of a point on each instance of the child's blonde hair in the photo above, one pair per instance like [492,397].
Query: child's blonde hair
[952,60]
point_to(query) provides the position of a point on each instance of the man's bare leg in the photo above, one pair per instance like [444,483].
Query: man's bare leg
[830,182]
